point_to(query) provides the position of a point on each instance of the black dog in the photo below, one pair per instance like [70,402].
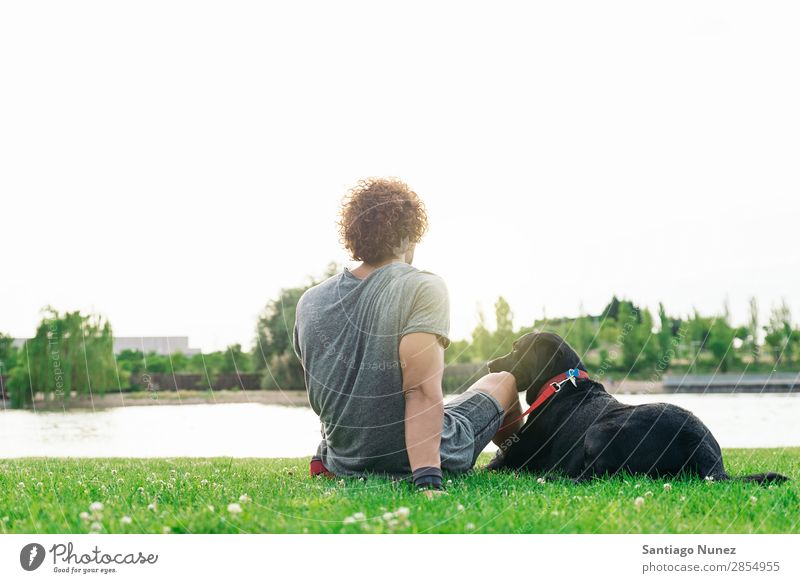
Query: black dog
[583,432]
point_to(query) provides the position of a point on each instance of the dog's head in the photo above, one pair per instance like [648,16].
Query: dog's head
[534,359]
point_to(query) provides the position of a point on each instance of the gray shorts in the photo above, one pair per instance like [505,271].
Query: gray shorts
[470,422]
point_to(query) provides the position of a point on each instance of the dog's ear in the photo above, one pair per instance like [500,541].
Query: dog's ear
[538,359]
[549,355]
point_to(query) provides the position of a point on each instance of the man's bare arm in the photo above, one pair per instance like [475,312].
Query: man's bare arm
[422,362]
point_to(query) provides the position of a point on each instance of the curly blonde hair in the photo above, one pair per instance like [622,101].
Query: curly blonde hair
[378,217]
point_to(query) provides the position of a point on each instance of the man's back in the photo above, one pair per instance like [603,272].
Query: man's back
[347,334]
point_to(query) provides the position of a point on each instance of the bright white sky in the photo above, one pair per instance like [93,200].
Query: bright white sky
[171,165]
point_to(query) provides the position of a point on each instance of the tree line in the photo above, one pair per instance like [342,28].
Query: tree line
[72,353]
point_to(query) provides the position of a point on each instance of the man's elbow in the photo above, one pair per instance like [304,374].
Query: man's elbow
[423,392]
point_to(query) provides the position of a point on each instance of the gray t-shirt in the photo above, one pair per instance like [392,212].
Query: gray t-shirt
[347,335]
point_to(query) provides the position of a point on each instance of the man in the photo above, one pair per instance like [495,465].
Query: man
[372,342]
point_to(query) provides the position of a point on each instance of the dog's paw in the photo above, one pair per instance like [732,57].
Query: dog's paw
[497,463]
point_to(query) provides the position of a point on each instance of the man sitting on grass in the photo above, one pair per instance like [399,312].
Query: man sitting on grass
[372,342]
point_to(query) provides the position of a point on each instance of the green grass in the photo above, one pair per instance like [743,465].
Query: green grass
[48,495]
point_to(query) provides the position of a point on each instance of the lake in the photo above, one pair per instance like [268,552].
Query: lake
[257,430]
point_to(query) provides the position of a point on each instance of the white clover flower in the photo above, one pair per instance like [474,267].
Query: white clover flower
[113,472]
[388,516]
[140,489]
[540,480]
[359,516]
[126,520]
[638,502]
[84,515]
[460,508]
[393,523]
[683,498]
[96,506]
[402,512]
[21,485]
[210,508]
[554,513]
[96,527]
[244,498]
[340,482]
[449,482]
[349,520]
[166,530]
[753,500]
[152,506]
[709,478]
[469,526]
[667,487]
[648,494]
[234,508]
[204,482]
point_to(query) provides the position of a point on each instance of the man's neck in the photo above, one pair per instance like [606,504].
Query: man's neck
[363,270]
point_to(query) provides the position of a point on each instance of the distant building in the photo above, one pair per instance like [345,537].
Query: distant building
[159,344]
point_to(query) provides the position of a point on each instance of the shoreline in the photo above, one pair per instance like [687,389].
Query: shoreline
[148,399]
[292,398]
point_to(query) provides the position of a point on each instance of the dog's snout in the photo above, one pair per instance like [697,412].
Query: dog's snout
[496,365]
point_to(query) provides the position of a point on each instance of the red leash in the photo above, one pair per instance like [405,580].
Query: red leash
[551,388]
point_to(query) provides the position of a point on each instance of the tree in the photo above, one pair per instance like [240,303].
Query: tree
[753,330]
[504,332]
[236,360]
[69,353]
[8,360]
[780,336]
[275,324]
[273,350]
[720,342]
[698,331]
[666,342]
[582,334]
[482,344]
[612,310]
[629,338]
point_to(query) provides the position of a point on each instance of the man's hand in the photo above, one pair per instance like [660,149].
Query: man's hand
[422,364]
[431,494]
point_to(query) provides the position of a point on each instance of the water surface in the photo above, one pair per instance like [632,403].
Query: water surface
[257,430]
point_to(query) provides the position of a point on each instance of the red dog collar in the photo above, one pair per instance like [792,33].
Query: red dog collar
[551,387]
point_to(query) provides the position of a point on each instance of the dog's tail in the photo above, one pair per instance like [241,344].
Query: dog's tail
[764,479]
